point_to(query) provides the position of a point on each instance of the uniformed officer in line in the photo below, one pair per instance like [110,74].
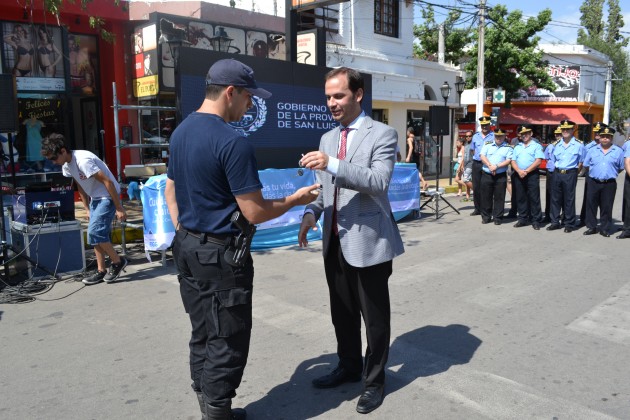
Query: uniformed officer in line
[567,157]
[479,139]
[549,172]
[625,146]
[626,195]
[513,204]
[604,162]
[526,159]
[495,156]
[598,126]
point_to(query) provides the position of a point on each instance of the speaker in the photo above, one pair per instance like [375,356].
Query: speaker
[8,104]
[439,121]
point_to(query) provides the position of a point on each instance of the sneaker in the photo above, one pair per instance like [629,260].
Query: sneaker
[115,269]
[95,278]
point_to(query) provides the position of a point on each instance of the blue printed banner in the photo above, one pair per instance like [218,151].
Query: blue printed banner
[404,188]
[158,227]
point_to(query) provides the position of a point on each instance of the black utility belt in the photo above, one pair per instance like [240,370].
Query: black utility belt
[208,237]
[566,171]
[604,181]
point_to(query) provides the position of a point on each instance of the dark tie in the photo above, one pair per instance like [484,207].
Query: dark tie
[341,155]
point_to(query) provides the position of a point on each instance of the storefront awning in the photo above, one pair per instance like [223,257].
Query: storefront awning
[540,115]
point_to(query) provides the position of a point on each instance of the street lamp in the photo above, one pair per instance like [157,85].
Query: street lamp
[459,88]
[445,89]
[221,41]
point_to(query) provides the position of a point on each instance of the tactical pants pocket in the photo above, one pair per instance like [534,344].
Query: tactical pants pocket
[233,311]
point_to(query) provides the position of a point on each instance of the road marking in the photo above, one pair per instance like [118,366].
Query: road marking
[609,320]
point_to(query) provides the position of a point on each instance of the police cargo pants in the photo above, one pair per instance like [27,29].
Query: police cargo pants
[218,300]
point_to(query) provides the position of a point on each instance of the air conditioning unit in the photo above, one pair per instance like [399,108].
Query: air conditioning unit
[588,96]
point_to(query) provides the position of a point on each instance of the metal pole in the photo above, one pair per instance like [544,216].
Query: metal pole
[608,93]
[450,172]
[117,133]
[480,61]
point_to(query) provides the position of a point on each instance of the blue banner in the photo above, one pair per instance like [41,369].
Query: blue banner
[158,227]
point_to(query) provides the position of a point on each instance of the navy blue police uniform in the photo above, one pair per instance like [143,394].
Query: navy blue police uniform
[210,163]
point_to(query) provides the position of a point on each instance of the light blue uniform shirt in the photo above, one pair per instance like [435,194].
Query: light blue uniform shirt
[525,155]
[568,157]
[478,141]
[496,154]
[625,145]
[603,166]
[550,163]
[626,152]
[590,146]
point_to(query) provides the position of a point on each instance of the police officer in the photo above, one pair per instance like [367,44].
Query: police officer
[495,156]
[604,162]
[567,157]
[510,173]
[478,141]
[625,147]
[598,126]
[526,159]
[212,173]
[626,195]
[549,172]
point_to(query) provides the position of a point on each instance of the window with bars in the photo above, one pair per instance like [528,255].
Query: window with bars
[386,17]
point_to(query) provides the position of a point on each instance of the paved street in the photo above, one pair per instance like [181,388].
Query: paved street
[489,322]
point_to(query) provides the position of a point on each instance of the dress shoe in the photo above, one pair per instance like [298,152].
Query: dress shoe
[624,235]
[604,234]
[335,378]
[475,213]
[497,222]
[370,399]
[590,231]
[511,215]
[568,229]
[545,220]
[519,224]
[485,221]
[553,226]
[536,226]
[581,224]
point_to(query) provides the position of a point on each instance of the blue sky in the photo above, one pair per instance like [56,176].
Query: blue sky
[565,15]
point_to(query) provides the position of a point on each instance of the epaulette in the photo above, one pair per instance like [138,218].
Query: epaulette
[489,142]
[580,141]
[555,142]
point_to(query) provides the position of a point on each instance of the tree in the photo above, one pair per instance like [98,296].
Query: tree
[455,39]
[608,40]
[592,19]
[512,58]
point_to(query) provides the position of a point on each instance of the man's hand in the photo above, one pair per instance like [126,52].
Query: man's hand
[315,160]
[121,214]
[308,222]
[306,195]
[522,173]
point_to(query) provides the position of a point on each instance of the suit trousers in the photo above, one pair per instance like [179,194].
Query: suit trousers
[563,197]
[476,181]
[584,198]
[548,186]
[602,196]
[527,191]
[493,195]
[625,206]
[218,300]
[356,292]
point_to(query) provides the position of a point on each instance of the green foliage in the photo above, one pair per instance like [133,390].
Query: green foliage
[612,43]
[512,59]
[55,7]
[455,39]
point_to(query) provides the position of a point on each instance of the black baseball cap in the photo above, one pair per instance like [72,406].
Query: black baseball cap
[230,72]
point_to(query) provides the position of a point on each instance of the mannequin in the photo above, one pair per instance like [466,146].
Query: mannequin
[34,141]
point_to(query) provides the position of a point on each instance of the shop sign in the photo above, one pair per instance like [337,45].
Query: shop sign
[145,86]
[41,83]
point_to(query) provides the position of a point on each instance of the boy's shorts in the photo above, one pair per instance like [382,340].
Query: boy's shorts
[467,175]
[102,212]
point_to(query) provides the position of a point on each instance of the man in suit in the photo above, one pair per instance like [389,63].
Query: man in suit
[354,165]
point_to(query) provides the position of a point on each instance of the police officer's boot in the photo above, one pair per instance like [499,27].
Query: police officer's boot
[202,405]
[225,413]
